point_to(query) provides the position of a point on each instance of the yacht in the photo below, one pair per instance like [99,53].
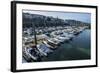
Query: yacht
[49,44]
[43,49]
[63,38]
[31,54]
[54,41]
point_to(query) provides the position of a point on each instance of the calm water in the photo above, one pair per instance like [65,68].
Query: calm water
[76,49]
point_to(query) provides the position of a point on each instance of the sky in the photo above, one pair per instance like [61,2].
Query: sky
[84,17]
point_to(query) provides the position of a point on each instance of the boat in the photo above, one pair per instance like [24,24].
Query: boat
[49,44]
[43,49]
[31,54]
[76,32]
[54,41]
[62,38]
[59,40]
[70,35]
[56,33]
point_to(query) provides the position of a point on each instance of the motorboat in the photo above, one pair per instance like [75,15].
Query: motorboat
[43,49]
[68,35]
[31,54]
[63,37]
[49,44]
[54,41]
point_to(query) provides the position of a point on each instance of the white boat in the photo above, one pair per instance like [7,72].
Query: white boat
[71,32]
[68,35]
[63,38]
[30,53]
[59,40]
[43,49]
[50,45]
[56,33]
[54,41]
[76,32]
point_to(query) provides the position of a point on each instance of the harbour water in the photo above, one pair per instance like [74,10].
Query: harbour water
[79,48]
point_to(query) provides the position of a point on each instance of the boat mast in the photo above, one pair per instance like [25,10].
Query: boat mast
[33,26]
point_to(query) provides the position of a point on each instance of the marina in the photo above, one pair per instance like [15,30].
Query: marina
[57,44]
